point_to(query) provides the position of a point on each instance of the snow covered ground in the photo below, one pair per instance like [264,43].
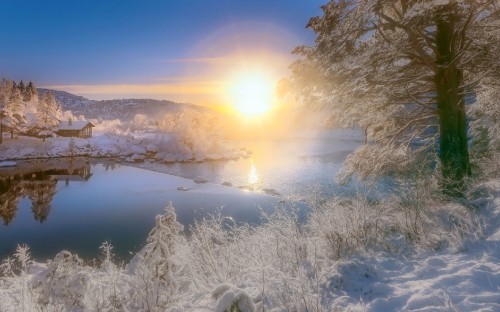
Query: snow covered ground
[130,147]
[280,266]
[351,255]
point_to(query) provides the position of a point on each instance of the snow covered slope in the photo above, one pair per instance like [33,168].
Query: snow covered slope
[122,109]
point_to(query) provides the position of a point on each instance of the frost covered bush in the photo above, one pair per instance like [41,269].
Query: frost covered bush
[15,281]
[154,286]
[197,131]
[67,284]
[346,226]
[232,299]
[107,284]
[61,283]
[285,264]
[114,126]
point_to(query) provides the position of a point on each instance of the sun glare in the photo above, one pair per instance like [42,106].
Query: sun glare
[251,93]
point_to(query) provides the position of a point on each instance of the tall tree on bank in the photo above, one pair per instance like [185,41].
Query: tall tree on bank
[21,87]
[5,89]
[403,70]
[48,115]
[16,119]
[12,109]
[29,92]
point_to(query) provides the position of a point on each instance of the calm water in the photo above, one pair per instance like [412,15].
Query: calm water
[292,166]
[76,205]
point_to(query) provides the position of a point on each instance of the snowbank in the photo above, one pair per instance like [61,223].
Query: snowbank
[279,266]
[132,148]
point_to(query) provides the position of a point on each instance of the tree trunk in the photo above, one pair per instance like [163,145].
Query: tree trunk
[453,146]
[1,132]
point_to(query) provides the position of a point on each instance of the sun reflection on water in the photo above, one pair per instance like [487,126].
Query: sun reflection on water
[253,177]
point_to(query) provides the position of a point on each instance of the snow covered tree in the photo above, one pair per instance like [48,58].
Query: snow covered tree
[15,112]
[48,115]
[29,92]
[157,267]
[4,94]
[12,108]
[21,87]
[404,71]
[3,114]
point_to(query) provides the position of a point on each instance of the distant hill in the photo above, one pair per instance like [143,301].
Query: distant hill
[122,109]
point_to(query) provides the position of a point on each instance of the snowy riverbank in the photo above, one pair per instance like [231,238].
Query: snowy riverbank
[131,148]
[337,261]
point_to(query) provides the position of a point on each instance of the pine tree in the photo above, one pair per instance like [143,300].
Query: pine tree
[30,91]
[21,87]
[4,91]
[15,114]
[48,115]
[3,115]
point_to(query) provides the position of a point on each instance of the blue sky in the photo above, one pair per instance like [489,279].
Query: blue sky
[121,48]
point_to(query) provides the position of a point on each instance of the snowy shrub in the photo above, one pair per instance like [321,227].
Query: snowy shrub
[62,282]
[197,131]
[275,264]
[170,144]
[347,226]
[232,299]
[154,286]
[139,122]
[17,292]
[114,126]
[107,285]
[285,264]
[371,162]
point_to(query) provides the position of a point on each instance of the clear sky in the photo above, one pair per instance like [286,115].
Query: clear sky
[182,50]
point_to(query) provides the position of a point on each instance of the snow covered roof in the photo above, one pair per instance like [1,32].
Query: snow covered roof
[74,124]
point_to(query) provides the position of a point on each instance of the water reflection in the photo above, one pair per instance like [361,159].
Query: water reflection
[119,203]
[293,167]
[118,206]
[253,177]
[39,186]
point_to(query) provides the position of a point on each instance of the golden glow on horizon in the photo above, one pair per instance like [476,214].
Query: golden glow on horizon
[211,72]
[242,84]
[251,93]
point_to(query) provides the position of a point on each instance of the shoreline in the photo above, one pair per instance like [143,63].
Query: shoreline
[32,165]
[159,147]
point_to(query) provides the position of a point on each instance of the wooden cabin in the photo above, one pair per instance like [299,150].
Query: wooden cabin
[75,129]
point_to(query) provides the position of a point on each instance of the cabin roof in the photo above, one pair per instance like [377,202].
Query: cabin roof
[75,124]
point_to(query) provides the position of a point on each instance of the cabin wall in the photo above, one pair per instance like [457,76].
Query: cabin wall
[86,132]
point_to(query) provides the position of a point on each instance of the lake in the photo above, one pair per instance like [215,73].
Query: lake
[77,204]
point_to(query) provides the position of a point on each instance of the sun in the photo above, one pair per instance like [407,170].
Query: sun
[251,93]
